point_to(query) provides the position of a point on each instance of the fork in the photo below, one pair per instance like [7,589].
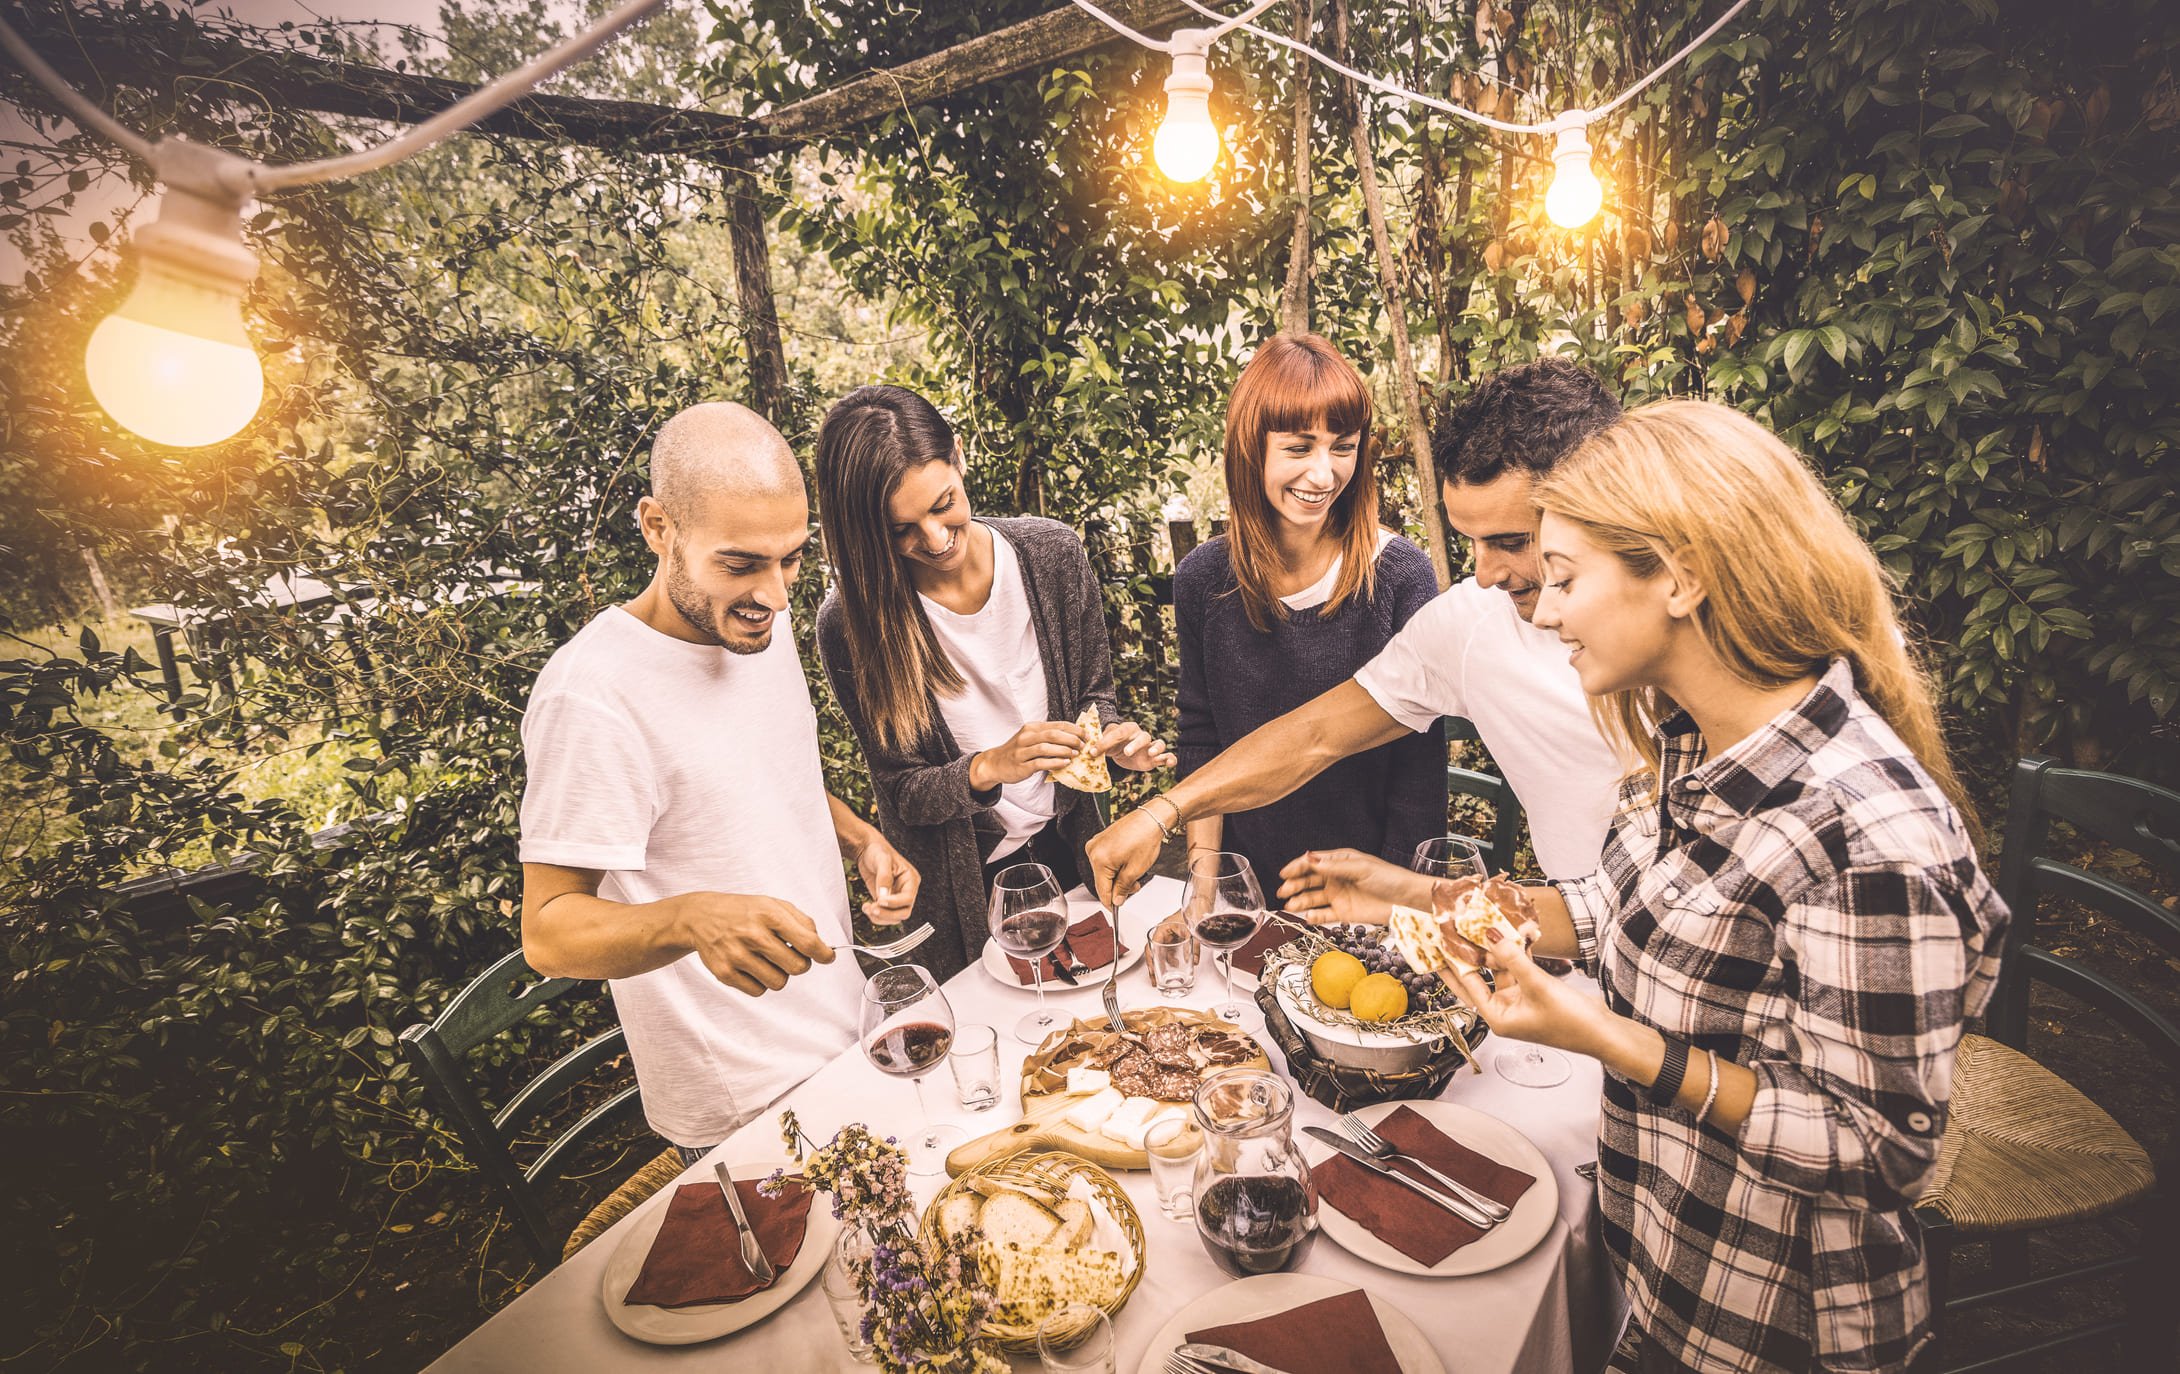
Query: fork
[1199,1358]
[894,949]
[1359,1131]
[1110,995]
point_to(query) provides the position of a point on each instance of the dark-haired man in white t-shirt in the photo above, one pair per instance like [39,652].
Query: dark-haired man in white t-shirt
[677,837]
[1470,653]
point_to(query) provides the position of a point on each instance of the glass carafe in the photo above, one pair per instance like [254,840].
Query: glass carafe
[1256,1209]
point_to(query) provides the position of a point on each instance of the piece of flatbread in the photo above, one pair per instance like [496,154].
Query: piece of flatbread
[1086,772]
[1475,916]
[1415,934]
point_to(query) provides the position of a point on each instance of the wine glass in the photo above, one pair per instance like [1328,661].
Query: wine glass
[1450,856]
[907,1027]
[1029,921]
[1225,906]
[1531,1066]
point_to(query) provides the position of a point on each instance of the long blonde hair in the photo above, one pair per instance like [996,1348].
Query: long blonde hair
[1788,583]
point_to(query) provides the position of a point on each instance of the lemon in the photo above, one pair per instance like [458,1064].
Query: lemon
[1334,975]
[1378,997]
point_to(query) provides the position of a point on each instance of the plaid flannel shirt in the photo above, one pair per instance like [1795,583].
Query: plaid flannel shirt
[1807,905]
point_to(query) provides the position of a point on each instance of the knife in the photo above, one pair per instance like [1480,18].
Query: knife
[753,1254]
[1355,1152]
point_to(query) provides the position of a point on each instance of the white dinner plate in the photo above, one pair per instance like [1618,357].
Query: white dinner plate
[1248,1299]
[1134,925]
[688,1325]
[1527,1224]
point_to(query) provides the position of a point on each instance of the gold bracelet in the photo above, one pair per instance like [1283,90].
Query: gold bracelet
[1164,835]
[1179,821]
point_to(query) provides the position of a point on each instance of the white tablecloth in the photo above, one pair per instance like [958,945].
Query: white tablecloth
[1555,1311]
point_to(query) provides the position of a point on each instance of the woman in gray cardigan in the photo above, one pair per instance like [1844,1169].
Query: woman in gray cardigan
[962,651]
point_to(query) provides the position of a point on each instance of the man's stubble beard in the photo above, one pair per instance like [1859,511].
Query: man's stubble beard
[702,614]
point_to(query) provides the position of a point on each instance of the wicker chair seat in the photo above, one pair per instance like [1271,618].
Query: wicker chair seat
[624,1199]
[2024,1149]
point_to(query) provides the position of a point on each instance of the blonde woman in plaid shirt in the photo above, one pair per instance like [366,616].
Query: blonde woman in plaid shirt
[1788,921]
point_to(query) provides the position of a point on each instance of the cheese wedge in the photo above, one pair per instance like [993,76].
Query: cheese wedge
[1128,1120]
[1090,1113]
[1087,1080]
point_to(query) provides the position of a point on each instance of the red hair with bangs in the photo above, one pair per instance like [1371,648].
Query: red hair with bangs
[1297,382]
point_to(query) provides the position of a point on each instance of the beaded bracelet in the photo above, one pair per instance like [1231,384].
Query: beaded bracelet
[1710,1094]
[1164,834]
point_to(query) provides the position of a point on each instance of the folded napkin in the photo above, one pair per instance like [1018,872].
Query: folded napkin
[696,1258]
[1271,935]
[1090,942]
[1330,1336]
[1423,1231]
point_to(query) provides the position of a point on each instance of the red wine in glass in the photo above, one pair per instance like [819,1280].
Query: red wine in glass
[906,1051]
[1224,907]
[1255,1223]
[1225,929]
[1028,919]
[906,1026]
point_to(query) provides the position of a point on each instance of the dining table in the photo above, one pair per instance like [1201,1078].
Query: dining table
[1555,1310]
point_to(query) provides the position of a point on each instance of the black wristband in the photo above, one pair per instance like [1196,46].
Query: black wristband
[1675,1068]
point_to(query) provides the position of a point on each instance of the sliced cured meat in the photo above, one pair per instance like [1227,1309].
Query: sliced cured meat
[1169,1045]
[1136,1073]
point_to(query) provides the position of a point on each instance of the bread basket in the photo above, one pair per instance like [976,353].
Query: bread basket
[1048,1176]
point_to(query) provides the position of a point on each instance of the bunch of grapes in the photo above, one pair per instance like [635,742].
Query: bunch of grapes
[1368,943]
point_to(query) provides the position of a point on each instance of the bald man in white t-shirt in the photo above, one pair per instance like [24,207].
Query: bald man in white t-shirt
[1470,653]
[677,837]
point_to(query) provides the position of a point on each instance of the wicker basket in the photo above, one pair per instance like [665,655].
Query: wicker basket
[1046,1174]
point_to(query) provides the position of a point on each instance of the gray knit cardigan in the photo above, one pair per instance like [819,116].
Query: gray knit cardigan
[925,806]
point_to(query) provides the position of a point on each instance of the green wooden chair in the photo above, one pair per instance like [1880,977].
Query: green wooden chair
[2024,1149]
[1506,813]
[495,1001]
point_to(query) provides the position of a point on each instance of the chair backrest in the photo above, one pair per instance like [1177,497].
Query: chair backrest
[1506,813]
[2138,817]
[494,1002]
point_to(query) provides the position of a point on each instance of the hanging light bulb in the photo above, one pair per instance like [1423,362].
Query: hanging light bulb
[1187,145]
[1575,196]
[173,364]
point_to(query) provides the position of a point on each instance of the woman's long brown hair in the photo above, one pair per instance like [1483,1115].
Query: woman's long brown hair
[1297,382]
[872,438]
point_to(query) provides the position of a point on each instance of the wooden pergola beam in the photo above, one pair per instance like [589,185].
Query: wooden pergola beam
[97,53]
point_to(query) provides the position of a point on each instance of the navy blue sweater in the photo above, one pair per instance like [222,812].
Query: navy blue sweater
[1234,678]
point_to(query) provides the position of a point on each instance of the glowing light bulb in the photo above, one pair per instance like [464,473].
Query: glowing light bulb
[1575,196]
[174,364]
[1187,145]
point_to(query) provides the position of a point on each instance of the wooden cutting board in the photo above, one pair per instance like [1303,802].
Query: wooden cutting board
[1042,1127]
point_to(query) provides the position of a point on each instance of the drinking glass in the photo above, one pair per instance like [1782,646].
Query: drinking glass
[1225,906]
[1172,1147]
[841,1294]
[1029,921]
[974,1059]
[1450,856]
[1076,1339]
[907,1027]
[1172,953]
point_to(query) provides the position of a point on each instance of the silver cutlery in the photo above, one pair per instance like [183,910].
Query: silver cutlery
[1110,996]
[1478,1219]
[753,1254]
[1200,1357]
[894,949]
[1384,1149]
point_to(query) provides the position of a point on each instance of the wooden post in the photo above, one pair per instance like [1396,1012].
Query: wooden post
[753,287]
[99,589]
[1411,388]
[1294,302]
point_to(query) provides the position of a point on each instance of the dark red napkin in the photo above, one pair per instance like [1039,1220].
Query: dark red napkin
[1330,1336]
[1423,1231]
[696,1258]
[1090,941]
[1270,936]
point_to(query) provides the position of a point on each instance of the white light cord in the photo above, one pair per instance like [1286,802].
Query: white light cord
[262,177]
[1385,87]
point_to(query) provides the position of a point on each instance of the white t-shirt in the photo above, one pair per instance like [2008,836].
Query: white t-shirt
[994,648]
[1469,653]
[678,767]
[1319,592]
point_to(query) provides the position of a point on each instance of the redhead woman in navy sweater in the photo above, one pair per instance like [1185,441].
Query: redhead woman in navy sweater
[1302,590]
